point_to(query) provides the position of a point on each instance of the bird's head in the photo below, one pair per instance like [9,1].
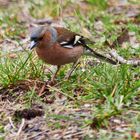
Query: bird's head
[36,35]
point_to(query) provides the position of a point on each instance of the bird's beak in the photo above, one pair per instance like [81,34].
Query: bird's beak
[33,44]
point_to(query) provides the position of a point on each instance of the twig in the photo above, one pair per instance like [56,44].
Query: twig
[41,92]
[42,21]
[121,60]
[57,90]
[11,122]
[21,127]
[40,133]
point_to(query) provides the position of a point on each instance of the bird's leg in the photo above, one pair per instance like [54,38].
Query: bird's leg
[75,64]
[54,75]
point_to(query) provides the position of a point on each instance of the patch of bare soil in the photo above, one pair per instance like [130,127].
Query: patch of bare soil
[51,118]
[58,119]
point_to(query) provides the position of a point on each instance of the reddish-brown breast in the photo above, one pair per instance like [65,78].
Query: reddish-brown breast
[58,55]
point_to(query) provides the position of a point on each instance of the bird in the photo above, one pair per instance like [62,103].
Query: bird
[59,46]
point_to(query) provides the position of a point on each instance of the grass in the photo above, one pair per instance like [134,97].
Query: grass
[111,91]
[13,70]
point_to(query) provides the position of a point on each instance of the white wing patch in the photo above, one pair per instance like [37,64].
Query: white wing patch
[71,44]
[68,46]
[76,39]
[63,43]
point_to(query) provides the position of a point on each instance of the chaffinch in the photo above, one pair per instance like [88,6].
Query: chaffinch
[59,46]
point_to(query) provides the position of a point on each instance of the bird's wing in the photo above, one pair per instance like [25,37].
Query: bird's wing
[70,39]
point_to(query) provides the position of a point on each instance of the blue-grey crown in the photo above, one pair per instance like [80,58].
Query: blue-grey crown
[36,33]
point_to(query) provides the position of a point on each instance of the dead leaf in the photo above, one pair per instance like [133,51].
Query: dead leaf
[124,37]
[117,2]
[13,55]
[135,135]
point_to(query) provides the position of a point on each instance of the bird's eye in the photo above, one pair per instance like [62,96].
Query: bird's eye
[36,38]
[33,39]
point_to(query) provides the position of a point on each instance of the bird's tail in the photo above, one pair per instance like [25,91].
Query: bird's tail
[91,52]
